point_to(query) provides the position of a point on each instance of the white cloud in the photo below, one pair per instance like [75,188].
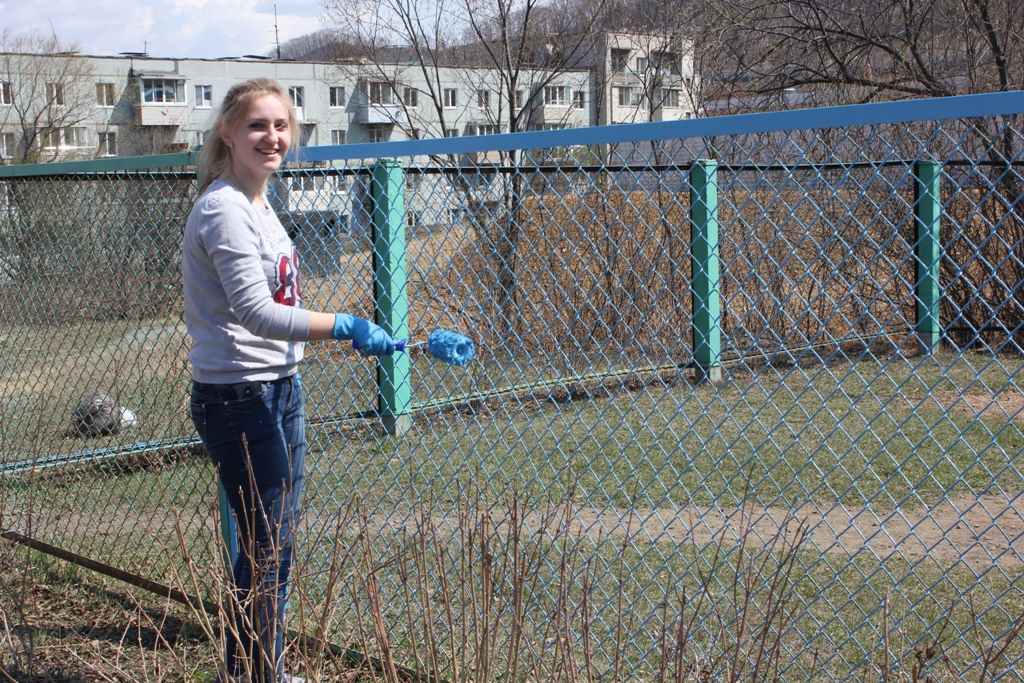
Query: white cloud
[164,28]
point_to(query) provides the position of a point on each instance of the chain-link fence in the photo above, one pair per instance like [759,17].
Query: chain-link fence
[695,332]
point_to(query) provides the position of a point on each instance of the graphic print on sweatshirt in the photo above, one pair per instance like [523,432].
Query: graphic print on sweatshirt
[288,290]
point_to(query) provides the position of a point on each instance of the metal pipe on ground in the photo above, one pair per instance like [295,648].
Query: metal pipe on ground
[353,658]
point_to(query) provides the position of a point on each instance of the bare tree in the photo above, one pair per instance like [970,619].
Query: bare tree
[402,40]
[516,47]
[505,53]
[48,91]
[529,44]
[325,45]
[862,50]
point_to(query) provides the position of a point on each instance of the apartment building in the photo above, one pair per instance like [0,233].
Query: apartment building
[644,77]
[134,104]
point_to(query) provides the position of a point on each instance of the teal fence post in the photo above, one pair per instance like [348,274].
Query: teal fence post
[228,528]
[928,213]
[704,260]
[394,394]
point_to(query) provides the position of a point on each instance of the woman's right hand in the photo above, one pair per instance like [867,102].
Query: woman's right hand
[367,338]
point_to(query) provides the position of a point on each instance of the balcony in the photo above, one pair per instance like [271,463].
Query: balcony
[553,113]
[161,114]
[380,113]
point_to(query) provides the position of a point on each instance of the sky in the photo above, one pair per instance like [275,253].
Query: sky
[165,28]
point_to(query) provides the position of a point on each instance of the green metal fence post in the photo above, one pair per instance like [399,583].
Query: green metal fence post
[228,527]
[928,212]
[394,394]
[707,307]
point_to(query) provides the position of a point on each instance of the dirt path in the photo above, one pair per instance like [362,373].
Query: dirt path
[980,532]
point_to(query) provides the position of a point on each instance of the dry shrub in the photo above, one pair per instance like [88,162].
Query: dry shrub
[99,248]
[982,268]
[593,271]
[800,266]
[606,271]
[806,266]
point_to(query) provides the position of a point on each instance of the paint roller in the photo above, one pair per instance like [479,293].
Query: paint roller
[444,345]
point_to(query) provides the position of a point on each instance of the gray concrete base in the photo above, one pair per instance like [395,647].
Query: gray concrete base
[396,425]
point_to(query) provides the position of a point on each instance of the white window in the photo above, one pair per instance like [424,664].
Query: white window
[200,138]
[204,96]
[337,96]
[378,135]
[520,98]
[379,92]
[6,145]
[163,91]
[451,132]
[628,97]
[670,98]
[105,95]
[556,95]
[579,99]
[641,65]
[411,97]
[6,94]
[108,144]
[55,93]
[297,96]
[620,58]
[50,138]
[451,98]
[76,136]
[484,129]
[338,137]
[483,99]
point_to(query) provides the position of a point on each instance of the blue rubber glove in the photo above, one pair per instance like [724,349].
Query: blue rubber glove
[370,339]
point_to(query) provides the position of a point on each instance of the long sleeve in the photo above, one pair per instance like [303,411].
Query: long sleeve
[243,292]
[238,248]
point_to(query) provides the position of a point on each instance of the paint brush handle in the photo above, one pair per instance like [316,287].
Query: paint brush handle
[400,345]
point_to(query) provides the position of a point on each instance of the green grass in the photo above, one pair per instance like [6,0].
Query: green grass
[856,432]
[845,433]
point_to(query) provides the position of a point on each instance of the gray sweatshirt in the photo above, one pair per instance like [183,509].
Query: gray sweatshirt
[243,304]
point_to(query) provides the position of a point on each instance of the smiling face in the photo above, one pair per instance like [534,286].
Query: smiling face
[260,141]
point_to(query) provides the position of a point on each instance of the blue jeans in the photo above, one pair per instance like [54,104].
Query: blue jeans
[255,434]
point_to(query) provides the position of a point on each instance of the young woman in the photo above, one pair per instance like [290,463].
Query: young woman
[244,312]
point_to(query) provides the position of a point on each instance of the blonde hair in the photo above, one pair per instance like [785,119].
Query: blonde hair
[215,154]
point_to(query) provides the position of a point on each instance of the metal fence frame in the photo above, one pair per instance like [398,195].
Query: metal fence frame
[395,404]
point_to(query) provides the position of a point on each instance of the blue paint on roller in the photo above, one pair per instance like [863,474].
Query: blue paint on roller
[450,347]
